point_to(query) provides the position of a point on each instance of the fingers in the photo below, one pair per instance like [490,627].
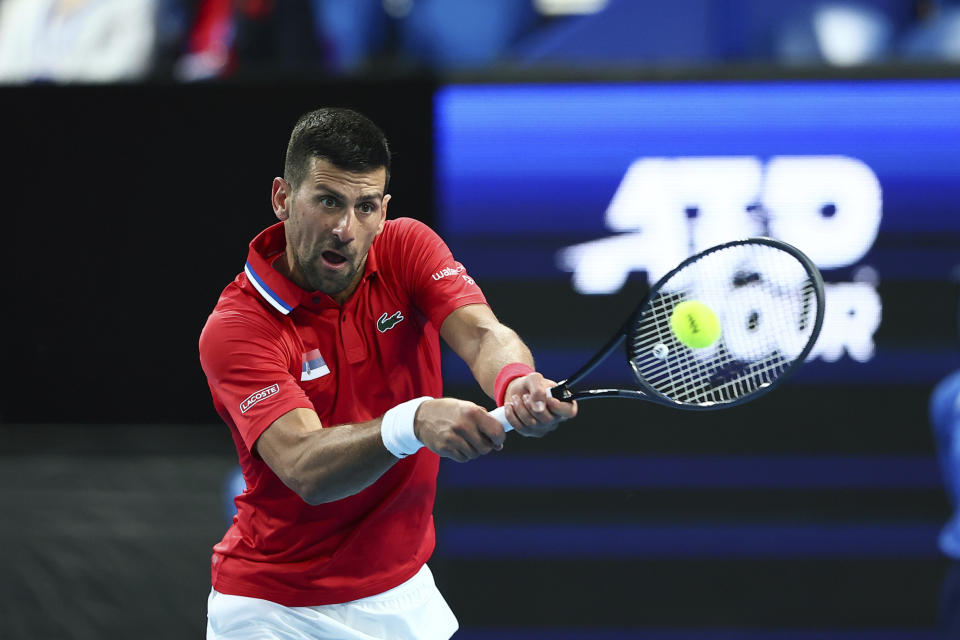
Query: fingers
[529,410]
[489,433]
[459,430]
[562,410]
[476,436]
[530,416]
[532,409]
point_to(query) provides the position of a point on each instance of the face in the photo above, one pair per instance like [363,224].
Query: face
[330,221]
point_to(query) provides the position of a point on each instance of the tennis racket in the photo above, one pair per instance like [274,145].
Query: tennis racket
[760,306]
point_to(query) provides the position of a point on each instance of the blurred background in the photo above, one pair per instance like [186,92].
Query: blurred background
[570,151]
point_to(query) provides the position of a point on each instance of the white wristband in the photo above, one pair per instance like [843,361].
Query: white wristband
[396,428]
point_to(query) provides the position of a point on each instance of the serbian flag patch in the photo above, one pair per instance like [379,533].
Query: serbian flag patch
[313,366]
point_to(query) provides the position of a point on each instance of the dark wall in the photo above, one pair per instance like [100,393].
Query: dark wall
[128,209]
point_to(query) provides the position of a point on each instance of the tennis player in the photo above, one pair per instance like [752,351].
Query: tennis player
[323,358]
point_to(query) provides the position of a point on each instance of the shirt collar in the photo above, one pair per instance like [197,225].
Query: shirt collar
[282,294]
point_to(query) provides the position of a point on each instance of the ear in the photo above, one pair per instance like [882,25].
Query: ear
[280,196]
[383,213]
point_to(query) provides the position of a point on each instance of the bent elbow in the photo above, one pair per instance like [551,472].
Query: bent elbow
[308,489]
[315,496]
[314,490]
[312,499]
[319,491]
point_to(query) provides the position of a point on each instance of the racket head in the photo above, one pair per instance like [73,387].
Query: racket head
[769,301]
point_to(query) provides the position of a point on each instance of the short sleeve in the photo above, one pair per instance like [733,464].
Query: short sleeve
[438,283]
[248,371]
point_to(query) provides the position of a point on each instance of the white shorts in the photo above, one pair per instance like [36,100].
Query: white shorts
[413,610]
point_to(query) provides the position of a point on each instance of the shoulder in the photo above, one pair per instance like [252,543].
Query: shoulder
[238,317]
[407,229]
[408,238]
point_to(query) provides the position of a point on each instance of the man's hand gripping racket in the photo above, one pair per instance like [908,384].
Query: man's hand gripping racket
[723,328]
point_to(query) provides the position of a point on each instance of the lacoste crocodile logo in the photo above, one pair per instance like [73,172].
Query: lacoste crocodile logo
[385,323]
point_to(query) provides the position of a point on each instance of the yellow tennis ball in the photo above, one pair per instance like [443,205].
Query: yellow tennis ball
[695,324]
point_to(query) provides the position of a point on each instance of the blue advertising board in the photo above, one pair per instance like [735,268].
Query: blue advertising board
[598,184]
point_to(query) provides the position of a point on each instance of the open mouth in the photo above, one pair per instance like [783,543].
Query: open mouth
[333,259]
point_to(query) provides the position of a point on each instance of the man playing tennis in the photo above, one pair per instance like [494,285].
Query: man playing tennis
[323,359]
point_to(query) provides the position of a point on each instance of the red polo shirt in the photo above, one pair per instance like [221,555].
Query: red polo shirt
[270,347]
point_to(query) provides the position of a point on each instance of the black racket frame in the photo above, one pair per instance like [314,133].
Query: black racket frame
[563,392]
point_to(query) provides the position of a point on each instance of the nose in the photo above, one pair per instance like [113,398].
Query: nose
[345,227]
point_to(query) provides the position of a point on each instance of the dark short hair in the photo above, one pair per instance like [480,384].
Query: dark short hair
[345,138]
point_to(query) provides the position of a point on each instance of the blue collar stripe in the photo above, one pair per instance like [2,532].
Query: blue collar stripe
[266,291]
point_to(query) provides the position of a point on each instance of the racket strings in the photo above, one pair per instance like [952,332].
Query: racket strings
[694,380]
[683,376]
[765,300]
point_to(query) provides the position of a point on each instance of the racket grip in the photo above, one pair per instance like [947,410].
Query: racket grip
[500,413]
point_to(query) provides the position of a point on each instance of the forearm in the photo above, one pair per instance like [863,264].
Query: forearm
[485,344]
[350,459]
[327,464]
[324,464]
[498,347]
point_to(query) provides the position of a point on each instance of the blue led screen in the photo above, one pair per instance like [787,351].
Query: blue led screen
[550,156]
[590,188]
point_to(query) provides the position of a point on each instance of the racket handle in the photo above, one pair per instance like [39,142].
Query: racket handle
[500,413]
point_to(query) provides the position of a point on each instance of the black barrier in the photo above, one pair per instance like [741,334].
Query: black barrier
[128,209]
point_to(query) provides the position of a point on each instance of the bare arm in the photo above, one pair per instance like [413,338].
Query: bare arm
[476,335]
[486,345]
[322,465]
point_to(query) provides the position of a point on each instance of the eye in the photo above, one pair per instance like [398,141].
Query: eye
[367,207]
[328,201]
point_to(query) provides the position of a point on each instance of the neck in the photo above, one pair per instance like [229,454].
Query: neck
[286,265]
